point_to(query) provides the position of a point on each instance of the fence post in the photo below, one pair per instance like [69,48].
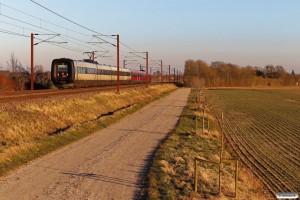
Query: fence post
[236,176]
[221,154]
[203,120]
[196,175]
[198,94]
[222,137]
[220,177]
[207,123]
[196,124]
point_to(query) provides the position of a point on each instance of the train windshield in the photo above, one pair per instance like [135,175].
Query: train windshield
[62,70]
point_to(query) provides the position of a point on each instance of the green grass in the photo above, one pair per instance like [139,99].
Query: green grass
[44,144]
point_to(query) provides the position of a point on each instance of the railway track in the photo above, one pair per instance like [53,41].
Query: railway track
[12,96]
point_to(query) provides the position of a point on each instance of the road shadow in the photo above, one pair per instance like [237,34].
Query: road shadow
[102,178]
[143,180]
[93,176]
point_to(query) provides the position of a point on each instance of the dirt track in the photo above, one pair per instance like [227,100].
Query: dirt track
[110,164]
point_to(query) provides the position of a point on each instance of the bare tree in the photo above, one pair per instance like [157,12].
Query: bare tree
[12,63]
[18,72]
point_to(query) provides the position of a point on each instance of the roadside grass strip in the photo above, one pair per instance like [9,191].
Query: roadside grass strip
[171,175]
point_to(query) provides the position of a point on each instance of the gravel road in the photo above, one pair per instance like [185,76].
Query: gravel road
[110,164]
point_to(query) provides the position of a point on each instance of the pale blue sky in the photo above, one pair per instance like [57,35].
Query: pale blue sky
[243,32]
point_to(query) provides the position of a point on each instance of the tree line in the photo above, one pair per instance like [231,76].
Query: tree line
[221,74]
[17,77]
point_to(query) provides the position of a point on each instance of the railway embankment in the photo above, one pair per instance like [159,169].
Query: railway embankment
[31,128]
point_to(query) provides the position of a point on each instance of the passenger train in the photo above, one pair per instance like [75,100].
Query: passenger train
[68,73]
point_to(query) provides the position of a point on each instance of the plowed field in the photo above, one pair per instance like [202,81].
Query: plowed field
[263,127]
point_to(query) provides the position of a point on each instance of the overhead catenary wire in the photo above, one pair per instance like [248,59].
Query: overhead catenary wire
[84,27]
[13,33]
[65,37]
[45,29]
[46,22]
[42,20]
[22,27]
[40,25]
[48,30]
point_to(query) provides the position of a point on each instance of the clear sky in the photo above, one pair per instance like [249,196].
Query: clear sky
[243,32]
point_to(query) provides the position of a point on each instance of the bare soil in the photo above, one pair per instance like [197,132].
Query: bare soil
[110,164]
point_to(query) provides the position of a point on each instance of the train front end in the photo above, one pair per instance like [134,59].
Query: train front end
[63,73]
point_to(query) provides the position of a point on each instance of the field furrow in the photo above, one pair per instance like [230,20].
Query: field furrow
[265,164]
[263,128]
[278,171]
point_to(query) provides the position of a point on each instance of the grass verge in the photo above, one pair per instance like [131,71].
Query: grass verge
[171,175]
[31,146]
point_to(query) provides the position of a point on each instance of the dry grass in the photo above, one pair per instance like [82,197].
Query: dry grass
[23,125]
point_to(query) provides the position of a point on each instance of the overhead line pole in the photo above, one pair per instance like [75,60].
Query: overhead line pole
[147,65]
[31,64]
[174,75]
[32,55]
[169,73]
[147,76]
[161,72]
[118,64]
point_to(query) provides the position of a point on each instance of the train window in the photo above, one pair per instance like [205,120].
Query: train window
[79,70]
[62,68]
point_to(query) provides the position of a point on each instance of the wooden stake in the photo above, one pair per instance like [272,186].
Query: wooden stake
[196,124]
[220,178]
[203,120]
[196,176]
[236,176]
[207,124]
